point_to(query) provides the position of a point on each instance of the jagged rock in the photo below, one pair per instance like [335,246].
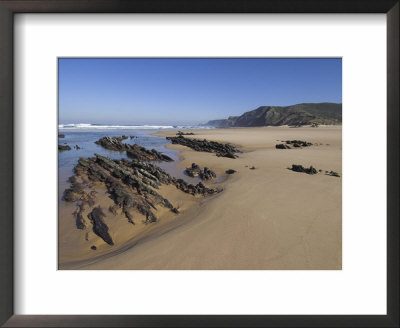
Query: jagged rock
[333,174]
[134,151]
[75,192]
[226,154]
[205,174]
[77,147]
[99,227]
[193,171]
[129,217]
[221,150]
[142,154]
[133,137]
[63,147]
[61,135]
[298,143]
[180,133]
[124,137]
[230,171]
[112,143]
[133,184]
[282,146]
[300,168]
[80,221]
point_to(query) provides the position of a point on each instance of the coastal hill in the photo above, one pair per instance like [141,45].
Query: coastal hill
[300,114]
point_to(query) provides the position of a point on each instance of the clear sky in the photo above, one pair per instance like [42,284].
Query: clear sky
[189,91]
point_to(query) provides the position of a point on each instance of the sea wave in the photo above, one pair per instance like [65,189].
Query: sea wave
[110,126]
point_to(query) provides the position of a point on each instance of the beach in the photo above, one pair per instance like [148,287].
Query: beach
[266,218]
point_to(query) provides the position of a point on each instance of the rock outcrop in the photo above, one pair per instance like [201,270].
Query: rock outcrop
[298,143]
[282,146]
[134,151]
[204,174]
[180,133]
[63,147]
[300,168]
[131,184]
[333,174]
[220,149]
[99,227]
[293,143]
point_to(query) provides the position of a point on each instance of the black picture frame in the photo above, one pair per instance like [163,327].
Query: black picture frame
[8,200]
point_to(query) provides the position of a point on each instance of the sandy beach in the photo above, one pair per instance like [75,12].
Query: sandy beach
[266,218]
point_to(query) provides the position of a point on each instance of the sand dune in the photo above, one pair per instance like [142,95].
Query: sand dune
[266,218]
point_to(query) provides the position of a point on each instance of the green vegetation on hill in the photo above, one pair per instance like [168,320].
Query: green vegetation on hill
[295,115]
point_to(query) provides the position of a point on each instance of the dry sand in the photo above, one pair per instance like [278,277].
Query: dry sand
[266,218]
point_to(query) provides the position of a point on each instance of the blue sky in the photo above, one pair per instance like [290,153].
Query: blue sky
[188,91]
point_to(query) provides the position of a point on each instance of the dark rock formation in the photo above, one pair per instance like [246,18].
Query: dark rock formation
[282,146]
[180,133]
[80,221]
[142,154]
[129,216]
[300,168]
[63,148]
[298,143]
[112,143]
[61,135]
[77,147]
[193,171]
[132,184]
[295,115]
[224,150]
[99,227]
[333,174]
[230,171]
[133,151]
[93,247]
[205,174]
[74,192]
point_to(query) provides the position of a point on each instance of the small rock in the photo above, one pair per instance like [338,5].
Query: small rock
[230,171]
[63,148]
[93,247]
[300,168]
[282,146]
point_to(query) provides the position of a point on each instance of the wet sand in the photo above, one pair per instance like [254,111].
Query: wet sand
[266,218]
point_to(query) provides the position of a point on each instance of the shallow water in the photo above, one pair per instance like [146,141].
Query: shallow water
[85,140]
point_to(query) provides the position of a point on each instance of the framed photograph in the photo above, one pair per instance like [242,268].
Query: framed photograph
[190,164]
